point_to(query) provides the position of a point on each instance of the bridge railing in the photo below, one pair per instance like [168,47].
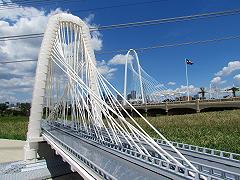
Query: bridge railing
[187,102]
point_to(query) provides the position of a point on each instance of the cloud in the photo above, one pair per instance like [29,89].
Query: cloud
[237,77]
[16,79]
[171,83]
[232,66]
[217,80]
[182,90]
[96,36]
[105,69]
[120,59]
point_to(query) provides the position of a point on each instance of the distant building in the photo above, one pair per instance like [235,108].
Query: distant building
[196,96]
[184,98]
[129,96]
[133,94]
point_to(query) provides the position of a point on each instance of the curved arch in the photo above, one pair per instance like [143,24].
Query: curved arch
[139,74]
[54,24]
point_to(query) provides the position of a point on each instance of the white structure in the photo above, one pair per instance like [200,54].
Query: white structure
[147,88]
[58,26]
[70,90]
[139,75]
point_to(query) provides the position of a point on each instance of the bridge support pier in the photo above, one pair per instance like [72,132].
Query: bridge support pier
[166,108]
[146,113]
[197,106]
[30,152]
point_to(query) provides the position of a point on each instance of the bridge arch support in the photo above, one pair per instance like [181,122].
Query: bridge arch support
[139,75]
[55,23]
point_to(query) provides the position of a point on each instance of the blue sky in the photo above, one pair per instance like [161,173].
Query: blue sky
[165,64]
[168,64]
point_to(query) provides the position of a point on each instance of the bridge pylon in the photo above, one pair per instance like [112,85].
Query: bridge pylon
[58,25]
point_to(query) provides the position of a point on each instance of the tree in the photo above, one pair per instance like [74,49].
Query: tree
[234,90]
[202,92]
[25,108]
[3,107]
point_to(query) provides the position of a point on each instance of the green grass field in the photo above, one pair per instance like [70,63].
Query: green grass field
[218,130]
[13,127]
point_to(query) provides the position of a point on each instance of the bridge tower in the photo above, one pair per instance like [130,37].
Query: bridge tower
[139,75]
[57,24]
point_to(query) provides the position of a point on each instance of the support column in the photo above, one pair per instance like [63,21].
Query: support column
[197,106]
[146,111]
[166,108]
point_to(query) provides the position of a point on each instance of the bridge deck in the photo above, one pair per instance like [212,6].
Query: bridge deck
[111,164]
[117,166]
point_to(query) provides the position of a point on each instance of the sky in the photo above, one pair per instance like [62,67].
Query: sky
[214,63]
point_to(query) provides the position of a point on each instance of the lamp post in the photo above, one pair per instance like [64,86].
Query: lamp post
[187,78]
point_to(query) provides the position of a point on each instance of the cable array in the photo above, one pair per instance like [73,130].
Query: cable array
[77,95]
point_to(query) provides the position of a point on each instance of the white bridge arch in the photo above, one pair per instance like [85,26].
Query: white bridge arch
[69,89]
[139,75]
[56,23]
[148,89]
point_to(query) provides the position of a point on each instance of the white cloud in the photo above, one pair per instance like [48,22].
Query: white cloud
[120,59]
[232,66]
[171,83]
[105,69]
[16,79]
[217,80]
[237,77]
[183,89]
[96,40]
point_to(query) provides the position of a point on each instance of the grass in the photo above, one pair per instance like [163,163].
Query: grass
[217,130]
[13,127]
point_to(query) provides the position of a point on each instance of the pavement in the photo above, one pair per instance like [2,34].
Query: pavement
[11,150]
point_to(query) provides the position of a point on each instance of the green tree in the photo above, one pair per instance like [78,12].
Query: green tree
[25,108]
[202,92]
[3,108]
[234,90]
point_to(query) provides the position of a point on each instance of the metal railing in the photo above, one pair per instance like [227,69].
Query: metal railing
[205,171]
[202,150]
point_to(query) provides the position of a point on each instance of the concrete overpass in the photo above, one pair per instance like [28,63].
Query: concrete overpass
[186,107]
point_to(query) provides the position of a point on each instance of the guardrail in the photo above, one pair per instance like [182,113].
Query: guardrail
[96,169]
[210,172]
[187,102]
[205,151]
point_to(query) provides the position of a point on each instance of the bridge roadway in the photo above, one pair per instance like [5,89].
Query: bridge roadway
[194,106]
[114,164]
[114,167]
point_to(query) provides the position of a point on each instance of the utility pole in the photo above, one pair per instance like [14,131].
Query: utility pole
[187,78]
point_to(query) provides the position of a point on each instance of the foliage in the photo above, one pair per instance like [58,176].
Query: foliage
[202,92]
[13,127]
[3,107]
[22,109]
[234,90]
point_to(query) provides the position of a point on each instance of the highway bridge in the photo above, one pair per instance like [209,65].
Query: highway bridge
[185,107]
[95,136]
